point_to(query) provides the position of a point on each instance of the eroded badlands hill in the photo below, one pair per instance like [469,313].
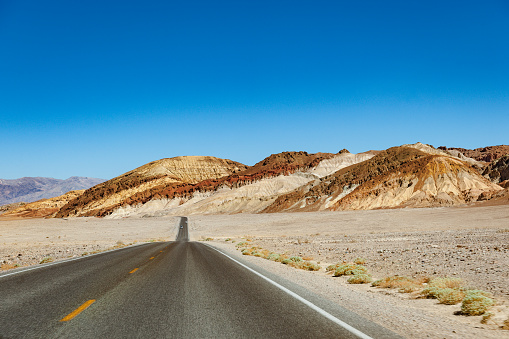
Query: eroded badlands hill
[414,175]
[248,191]
[173,172]
[486,154]
[498,170]
[411,175]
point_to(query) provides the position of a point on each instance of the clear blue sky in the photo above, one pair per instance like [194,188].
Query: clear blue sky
[97,88]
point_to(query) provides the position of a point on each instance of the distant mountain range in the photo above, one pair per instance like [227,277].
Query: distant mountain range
[414,175]
[31,189]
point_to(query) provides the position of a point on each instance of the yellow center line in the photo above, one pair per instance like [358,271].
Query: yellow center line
[160,251]
[152,258]
[134,270]
[78,310]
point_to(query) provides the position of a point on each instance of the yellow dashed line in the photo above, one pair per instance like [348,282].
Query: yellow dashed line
[134,270]
[78,310]
[152,258]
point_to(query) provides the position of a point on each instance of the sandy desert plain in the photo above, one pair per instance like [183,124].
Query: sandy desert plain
[471,243]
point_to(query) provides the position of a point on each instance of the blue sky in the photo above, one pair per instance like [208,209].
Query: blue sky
[99,88]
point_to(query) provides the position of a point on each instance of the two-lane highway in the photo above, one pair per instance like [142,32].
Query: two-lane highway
[178,289]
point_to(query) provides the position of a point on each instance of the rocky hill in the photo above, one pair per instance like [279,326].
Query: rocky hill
[43,208]
[407,176]
[248,191]
[145,181]
[31,189]
[498,170]
[413,175]
[486,154]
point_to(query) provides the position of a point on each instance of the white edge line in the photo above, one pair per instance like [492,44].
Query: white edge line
[326,314]
[65,260]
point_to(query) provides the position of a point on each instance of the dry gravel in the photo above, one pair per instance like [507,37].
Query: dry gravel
[28,242]
[478,256]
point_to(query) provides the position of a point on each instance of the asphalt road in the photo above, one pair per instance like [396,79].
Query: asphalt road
[177,289]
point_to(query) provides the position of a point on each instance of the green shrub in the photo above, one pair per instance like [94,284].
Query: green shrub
[274,257]
[309,266]
[446,283]
[291,260]
[332,267]
[442,289]
[402,283]
[431,292]
[350,269]
[450,296]
[360,279]
[476,303]
[46,260]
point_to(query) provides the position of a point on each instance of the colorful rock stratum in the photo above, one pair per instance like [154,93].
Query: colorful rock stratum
[416,175]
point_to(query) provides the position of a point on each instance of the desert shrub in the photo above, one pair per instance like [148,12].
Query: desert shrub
[360,279]
[309,266]
[292,260]
[476,303]
[242,244]
[441,288]
[227,239]
[431,292]
[450,296]
[359,261]
[446,283]
[46,260]
[248,251]
[7,266]
[350,269]
[209,239]
[275,257]
[402,283]
[332,267]
[481,292]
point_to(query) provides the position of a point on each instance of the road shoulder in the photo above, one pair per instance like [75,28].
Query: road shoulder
[407,317]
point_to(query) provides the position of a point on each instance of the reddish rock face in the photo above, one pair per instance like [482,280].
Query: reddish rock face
[144,183]
[486,154]
[281,163]
[394,178]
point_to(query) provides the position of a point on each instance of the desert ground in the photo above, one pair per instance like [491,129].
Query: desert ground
[471,243]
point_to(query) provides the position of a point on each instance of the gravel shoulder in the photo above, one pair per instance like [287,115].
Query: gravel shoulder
[406,316]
